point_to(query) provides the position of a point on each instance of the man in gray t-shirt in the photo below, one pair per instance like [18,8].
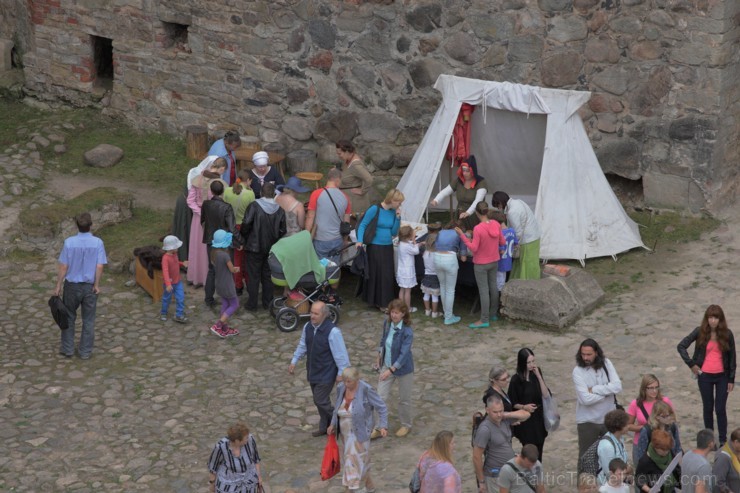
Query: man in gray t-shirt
[696,473]
[523,473]
[492,443]
[324,218]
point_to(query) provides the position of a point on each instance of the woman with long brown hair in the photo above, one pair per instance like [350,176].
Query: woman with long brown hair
[436,466]
[713,363]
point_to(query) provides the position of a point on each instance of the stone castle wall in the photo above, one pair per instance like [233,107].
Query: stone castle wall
[665,108]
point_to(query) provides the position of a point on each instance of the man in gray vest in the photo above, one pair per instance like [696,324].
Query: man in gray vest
[326,357]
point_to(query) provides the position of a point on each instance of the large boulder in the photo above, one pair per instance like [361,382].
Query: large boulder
[103,156]
[553,302]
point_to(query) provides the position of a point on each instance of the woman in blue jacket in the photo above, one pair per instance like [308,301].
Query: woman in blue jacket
[353,420]
[396,362]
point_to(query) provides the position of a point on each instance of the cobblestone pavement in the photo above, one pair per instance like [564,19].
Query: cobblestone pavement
[144,412]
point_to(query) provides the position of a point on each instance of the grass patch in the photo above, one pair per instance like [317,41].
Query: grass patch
[18,115]
[146,227]
[51,216]
[149,157]
[671,227]
[22,257]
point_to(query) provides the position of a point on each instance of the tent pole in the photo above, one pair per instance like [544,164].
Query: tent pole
[450,178]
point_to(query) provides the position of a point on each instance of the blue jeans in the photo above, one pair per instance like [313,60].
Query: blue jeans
[78,294]
[447,267]
[179,293]
[713,390]
[325,249]
[485,278]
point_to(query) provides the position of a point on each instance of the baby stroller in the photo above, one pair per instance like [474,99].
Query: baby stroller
[293,263]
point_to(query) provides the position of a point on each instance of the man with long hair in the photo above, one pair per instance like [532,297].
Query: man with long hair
[597,385]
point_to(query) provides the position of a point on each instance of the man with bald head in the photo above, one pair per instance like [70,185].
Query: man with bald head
[326,357]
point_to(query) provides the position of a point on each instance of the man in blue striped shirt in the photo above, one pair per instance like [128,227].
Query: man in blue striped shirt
[80,268]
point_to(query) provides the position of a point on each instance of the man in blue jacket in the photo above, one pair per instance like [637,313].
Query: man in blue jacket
[326,357]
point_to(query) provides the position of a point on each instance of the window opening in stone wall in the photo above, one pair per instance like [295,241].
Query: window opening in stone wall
[629,192]
[103,61]
[175,35]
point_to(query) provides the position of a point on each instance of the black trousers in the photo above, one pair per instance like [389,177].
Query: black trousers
[321,393]
[210,287]
[258,271]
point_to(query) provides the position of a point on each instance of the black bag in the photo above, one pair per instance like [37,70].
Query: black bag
[59,312]
[616,404]
[478,418]
[415,483]
[370,229]
[344,227]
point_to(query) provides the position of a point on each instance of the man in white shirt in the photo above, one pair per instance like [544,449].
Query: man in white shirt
[528,232]
[597,385]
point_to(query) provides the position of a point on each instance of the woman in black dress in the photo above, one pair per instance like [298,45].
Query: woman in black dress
[526,390]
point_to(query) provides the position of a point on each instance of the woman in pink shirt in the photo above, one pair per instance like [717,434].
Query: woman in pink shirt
[713,364]
[486,246]
[640,409]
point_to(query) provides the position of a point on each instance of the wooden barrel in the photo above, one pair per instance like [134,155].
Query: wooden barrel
[196,139]
[301,160]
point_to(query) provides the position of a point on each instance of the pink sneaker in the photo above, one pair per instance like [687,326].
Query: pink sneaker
[218,330]
[230,332]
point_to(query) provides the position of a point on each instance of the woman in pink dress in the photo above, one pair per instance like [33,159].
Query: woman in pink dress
[199,181]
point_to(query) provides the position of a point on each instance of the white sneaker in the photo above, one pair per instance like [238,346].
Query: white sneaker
[428,312]
[413,309]
[435,314]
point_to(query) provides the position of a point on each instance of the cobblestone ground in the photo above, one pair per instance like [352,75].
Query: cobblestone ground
[144,412]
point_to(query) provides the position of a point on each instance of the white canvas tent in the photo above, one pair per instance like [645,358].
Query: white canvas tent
[529,142]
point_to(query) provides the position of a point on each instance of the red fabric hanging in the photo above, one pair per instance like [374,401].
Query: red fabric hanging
[459,147]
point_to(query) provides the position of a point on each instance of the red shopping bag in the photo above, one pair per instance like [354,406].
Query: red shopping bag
[330,464]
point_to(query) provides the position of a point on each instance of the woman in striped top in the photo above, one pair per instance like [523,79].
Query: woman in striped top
[234,465]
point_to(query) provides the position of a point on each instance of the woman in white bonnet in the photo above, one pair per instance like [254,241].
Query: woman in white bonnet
[263,173]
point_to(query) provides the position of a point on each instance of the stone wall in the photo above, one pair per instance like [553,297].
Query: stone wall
[16,25]
[303,73]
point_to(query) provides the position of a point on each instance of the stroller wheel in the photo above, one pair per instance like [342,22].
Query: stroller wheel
[287,319]
[276,304]
[333,314]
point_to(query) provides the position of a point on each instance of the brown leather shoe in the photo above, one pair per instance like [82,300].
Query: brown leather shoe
[402,432]
[318,433]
